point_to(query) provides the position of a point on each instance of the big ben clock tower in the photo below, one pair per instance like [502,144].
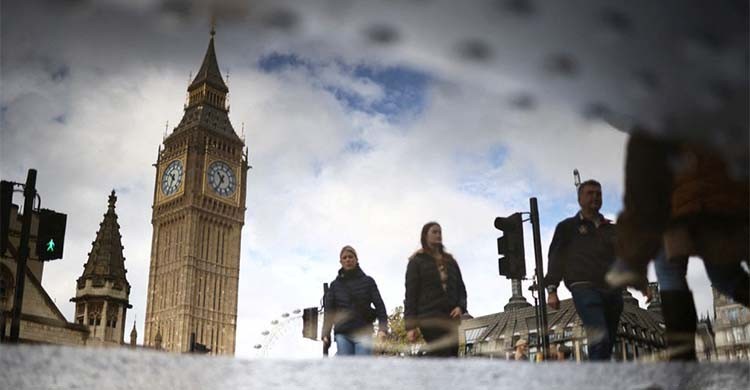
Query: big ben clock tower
[198,213]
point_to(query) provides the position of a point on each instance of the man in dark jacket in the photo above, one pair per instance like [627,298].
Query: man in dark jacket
[581,252]
[348,308]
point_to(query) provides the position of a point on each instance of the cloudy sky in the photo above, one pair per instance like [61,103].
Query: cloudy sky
[362,121]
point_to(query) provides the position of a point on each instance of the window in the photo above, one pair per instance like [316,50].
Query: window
[733,314]
[739,334]
[473,334]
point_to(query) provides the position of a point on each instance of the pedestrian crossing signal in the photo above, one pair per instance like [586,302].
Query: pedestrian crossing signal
[512,264]
[310,323]
[50,237]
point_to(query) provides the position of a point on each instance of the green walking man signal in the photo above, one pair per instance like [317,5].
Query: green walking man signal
[50,238]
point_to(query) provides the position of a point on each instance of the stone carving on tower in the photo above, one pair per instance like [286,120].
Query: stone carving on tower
[198,214]
[102,292]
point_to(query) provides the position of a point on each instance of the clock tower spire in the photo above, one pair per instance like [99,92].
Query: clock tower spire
[198,214]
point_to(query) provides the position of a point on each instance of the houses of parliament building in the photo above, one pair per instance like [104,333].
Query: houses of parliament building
[197,217]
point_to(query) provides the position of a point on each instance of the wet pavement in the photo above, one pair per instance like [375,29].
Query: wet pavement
[54,367]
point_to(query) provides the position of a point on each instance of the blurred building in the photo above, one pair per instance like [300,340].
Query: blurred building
[732,329]
[705,346]
[640,332]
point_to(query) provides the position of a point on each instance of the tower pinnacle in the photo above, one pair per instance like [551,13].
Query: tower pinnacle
[209,73]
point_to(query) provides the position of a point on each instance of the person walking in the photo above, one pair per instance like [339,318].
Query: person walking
[581,252]
[349,311]
[681,200]
[435,295]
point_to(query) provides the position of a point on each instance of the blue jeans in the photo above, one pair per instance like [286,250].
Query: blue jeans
[599,311]
[726,278]
[347,345]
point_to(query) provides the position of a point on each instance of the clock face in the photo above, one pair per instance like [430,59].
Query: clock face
[221,178]
[172,178]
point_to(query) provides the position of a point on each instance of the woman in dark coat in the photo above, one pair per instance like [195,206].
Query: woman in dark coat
[435,295]
[348,308]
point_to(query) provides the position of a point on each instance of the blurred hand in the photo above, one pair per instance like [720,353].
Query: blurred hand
[411,335]
[647,293]
[381,335]
[553,301]
[456,312]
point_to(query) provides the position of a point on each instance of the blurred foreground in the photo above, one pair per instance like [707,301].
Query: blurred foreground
[53,367]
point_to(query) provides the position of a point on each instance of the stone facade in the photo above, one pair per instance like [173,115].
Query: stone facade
[41,320]
[102,291]
[198,214]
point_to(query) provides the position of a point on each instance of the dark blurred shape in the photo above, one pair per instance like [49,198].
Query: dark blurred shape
[519,7]
[617,21]
[647,79]
[596,111]
[720,91]
[562,64]
[282,19]
[523,101]
[707,40]
[381,34]
[179,8]
[475,50]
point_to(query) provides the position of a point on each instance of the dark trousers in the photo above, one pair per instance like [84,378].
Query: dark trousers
[599,311]
[442,339]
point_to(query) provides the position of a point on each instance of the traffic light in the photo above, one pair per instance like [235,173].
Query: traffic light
[512,264]
[310,323]
[50,237]
[6,202]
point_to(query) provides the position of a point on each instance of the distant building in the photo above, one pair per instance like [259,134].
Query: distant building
[640,334]
[732,329]
[101,294]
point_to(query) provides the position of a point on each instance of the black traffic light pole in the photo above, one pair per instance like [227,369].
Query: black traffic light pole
[29,193]
[540,277]
[326,346]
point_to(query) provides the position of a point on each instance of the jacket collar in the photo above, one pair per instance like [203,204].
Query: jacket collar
[600,220]
[353,274]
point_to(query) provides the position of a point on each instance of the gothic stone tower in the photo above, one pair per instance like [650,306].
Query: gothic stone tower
[102,292]
[198,214]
